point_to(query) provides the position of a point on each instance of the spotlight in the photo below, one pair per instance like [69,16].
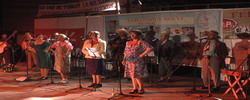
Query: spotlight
[139,1]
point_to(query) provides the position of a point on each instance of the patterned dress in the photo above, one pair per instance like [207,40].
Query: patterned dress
[134,65]
[62,64]
[42,57]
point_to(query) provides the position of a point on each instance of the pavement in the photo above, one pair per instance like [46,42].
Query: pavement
[12,87]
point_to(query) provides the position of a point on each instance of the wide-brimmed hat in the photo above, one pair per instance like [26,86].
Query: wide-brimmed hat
[122,30]
[243,35]
[212,32]
[63,35]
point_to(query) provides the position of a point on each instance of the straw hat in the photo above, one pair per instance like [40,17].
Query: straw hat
[63,35]
[122,31]
[212,32]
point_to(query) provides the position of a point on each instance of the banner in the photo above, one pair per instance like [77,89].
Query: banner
[178,23]
[235,21]
[78,7]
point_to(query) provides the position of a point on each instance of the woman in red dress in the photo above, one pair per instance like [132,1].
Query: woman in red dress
[133,60]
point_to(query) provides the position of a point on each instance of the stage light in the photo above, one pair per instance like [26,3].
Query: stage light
[139,1]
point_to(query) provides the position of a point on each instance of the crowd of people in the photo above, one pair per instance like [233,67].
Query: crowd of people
[128,54]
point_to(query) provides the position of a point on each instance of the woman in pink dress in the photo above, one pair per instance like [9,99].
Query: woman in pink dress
[133,60]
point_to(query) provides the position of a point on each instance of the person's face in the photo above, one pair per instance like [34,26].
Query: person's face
[92,35]
[133,36]
[60,38]
[164,37]
[39,37]
[211,36]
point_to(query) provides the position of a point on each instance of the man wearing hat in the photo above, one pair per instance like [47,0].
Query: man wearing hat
[165,53]
[190,50]
[214,53]
[240,51]
[117,47]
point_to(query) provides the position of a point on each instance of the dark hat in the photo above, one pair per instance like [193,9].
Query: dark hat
[243,35]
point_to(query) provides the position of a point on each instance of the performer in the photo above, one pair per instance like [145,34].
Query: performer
[42,58]
[62,56]
[94,50]
[31,57]
[214,54]
[117,47]
[165,52]
[191,50]
[240,51]
[133,60]
[5,56]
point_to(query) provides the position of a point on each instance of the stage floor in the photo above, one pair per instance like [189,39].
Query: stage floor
[179,89]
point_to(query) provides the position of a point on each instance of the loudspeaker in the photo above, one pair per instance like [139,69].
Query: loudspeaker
[21,79]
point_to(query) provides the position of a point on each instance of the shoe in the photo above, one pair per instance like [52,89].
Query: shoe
[63,82]
[44,78]
[204,87]
[134,91]
[97,85]
[141,91]
[216,89]
[40,78]
[92,85]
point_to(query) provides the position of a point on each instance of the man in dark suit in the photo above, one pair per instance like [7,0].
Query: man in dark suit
[165,52]
[214,53]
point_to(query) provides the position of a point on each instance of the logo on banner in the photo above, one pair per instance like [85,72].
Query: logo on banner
[229,24]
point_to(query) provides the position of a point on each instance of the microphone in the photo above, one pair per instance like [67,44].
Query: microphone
[84,39]
[202,38]
[155,40]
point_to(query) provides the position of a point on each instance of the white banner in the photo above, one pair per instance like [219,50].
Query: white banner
[78,7]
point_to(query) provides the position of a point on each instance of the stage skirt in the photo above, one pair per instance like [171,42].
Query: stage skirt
[95,66]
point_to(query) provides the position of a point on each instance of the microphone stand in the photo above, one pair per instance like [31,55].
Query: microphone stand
[27,78]
[118,63]
[51,78]
[209,84]
[193,90]
[77,59]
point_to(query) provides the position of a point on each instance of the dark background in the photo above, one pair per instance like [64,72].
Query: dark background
[20,14]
